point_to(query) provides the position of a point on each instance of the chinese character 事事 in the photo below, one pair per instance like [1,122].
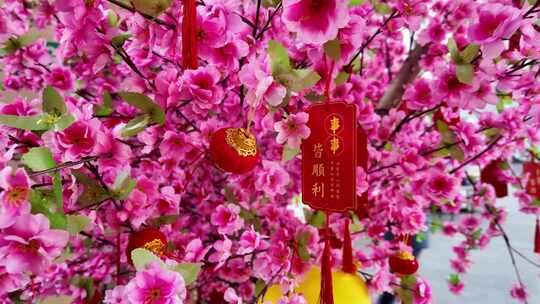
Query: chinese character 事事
[334,124]
[318,150]
[318,189]
[318,170]
[334,144]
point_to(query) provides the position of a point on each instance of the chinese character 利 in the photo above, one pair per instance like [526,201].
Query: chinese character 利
[318,189]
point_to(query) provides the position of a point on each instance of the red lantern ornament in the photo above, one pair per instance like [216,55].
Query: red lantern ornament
[234,150]
[150,239]
[489,175]
[403,263]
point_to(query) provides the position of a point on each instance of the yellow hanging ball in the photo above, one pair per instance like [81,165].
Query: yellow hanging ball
[348,289]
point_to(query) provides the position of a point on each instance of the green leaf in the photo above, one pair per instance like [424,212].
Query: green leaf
[289,153]
[86,283]
[470,52]
[456,153]
[145,104]
[105,109]
[454,279]
[454,51]
[123,185]
[442,153]
[504,100]
[119,40]
[356,2]
[57,300]
[142,257]
[135,125]
[63,122]
[164,220]
[58,221]
[420,236]
[41,201]
[535,202]
[53,102]
[93,192]
[477,234]
[230,196]
[77,223]
[302,240]
[332,49]
[189,271]
[259,286]
[465,72]
[151,7]
[492,132]
[341,78]
[304,79]
[279,58]
[313,97]
[12,44]
[317,219]
[379,7]
[112,18]
[57,189]
[38,159]
[29,123]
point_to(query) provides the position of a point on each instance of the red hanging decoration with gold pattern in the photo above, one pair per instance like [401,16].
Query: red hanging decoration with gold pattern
[533,184]
[329,158]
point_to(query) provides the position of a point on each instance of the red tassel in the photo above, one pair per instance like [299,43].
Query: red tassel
[537,237]
[326,295]
[348,259]
[189,35]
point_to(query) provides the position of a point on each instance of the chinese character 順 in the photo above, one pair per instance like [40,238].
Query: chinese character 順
[318,170]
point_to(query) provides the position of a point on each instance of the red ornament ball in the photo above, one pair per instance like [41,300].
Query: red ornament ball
[234,150]
[403,263]
[150,239]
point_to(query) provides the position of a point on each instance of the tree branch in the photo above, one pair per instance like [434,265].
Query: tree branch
[133,10]
[408,72]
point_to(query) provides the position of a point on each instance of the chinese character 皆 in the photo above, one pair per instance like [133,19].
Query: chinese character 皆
[318,170]
[334,144]
[318,189]
[334,124]
[317,150]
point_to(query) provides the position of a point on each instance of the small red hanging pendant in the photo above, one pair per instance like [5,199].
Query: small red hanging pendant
[537,237]
[189,35]
[489,175]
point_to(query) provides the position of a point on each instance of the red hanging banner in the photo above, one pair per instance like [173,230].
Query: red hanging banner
[329,157]
[533,184]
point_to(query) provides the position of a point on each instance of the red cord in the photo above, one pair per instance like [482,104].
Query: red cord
[189,35]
